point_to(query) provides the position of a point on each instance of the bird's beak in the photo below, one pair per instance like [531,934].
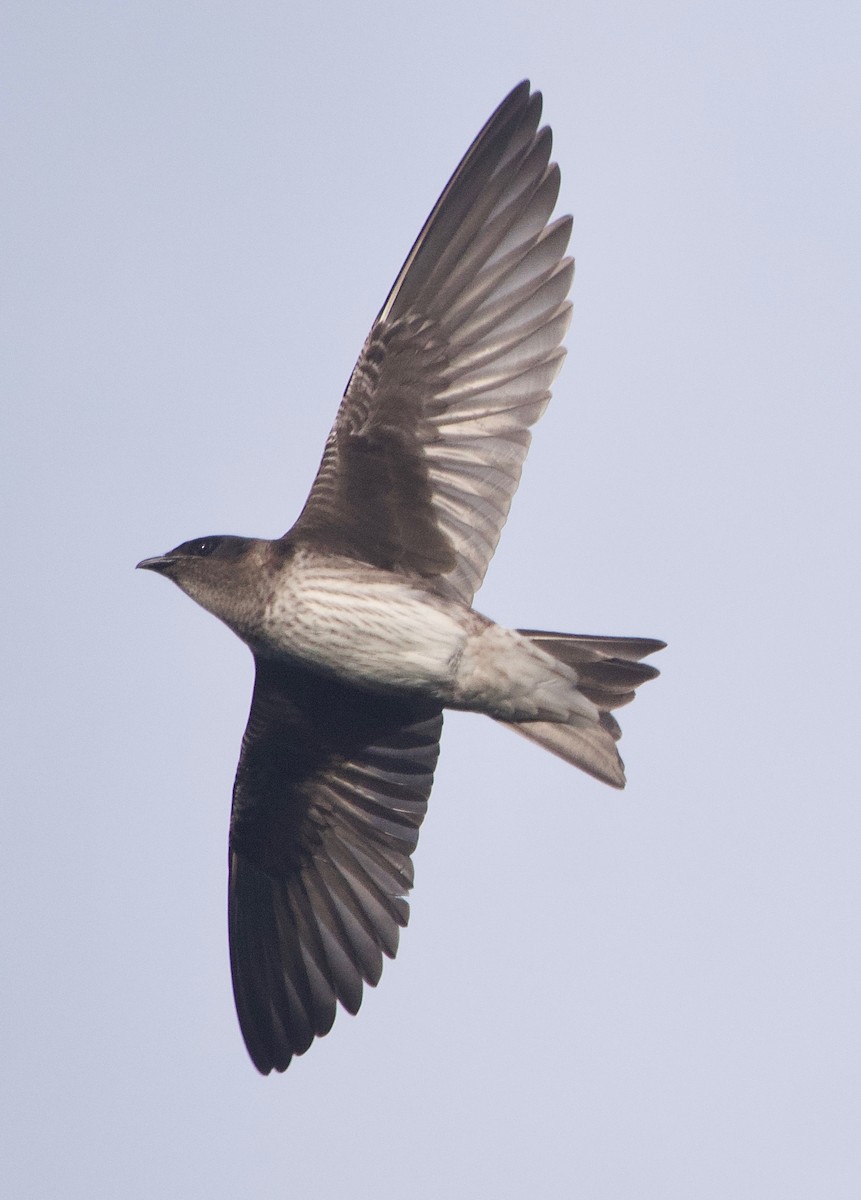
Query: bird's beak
[159,564]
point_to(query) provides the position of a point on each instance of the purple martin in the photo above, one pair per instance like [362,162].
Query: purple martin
[360,618]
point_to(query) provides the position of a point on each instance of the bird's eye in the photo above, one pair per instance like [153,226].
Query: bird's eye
[200,547]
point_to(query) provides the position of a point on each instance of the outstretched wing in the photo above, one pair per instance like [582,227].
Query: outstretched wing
[428,444]
[331,789]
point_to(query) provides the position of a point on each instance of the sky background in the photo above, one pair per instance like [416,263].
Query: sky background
[648,994]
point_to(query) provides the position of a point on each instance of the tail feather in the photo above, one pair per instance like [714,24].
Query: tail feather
[609,671]
[575,648]
[586,745]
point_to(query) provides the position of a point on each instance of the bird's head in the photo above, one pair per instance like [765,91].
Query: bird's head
[225,575]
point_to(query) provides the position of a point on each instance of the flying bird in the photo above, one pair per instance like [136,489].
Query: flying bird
[360,618]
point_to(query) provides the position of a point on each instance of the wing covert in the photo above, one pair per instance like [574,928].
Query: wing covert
[331,789]
[427,448]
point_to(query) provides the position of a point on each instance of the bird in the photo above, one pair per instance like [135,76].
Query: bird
[360,618]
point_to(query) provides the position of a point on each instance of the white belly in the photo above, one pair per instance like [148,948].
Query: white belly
[365,626]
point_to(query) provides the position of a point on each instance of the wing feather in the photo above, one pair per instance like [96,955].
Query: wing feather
[428,444]
[331,789]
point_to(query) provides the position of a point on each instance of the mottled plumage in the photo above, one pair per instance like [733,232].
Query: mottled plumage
[360,617]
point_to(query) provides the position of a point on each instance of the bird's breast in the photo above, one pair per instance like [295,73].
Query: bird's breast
[365,626]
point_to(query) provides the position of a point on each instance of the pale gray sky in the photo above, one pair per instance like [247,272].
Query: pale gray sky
[652,994]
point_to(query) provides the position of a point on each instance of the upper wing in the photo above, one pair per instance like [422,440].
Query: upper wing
[331,788]
[427,447]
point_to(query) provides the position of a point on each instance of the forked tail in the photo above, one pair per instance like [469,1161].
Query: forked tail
[609,671]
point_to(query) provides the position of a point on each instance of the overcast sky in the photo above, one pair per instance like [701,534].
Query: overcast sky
[609,996]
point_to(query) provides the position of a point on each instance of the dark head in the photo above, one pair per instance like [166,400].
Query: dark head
[225,575]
